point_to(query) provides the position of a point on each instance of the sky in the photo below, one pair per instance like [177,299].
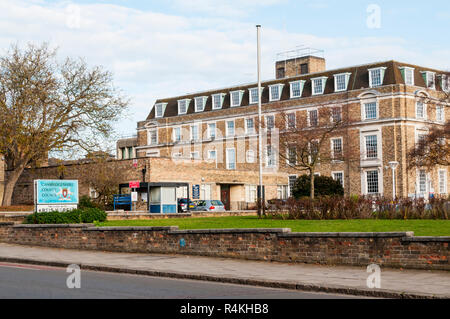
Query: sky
[160,49]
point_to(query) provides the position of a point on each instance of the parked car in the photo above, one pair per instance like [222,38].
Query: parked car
[182,205]
[210,206]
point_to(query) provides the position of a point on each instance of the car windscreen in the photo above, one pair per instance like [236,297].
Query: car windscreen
[216,203]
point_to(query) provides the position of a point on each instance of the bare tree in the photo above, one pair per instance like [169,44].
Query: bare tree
[305,141]
[434,148]
[51,106]
[103,177]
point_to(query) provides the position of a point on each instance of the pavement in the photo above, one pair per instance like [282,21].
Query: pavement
[395,283]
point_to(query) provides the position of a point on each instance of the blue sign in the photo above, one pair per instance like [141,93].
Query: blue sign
[60,192]
[195,191]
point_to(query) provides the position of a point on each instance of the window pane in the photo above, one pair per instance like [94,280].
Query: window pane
[372,182]
[371,110]
[337,148]
[313,118]
[376,77]
[231,159]
[336,114]
[291,120]
[339,177]
[317,86]
[250,126]
[235,98]
[182,105]
[275,92]
[340,82]
[422,181]
[270,122]
[295,86]
[371,146]
[420,109]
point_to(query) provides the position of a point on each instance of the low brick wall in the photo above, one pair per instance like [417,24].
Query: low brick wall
[114,215]
[14,216]
[400,249]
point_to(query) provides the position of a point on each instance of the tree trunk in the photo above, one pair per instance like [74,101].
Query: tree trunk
[10,184]
[311,172]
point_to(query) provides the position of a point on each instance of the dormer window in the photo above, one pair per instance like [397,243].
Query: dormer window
[376,77]
[428,77]
[217,101]
[318,85]
[341,82]
[183,106]
[408,75]
[160,109]
[236,98]
[297,88]
[275,92]
[200,103]
[445,83]
[253,95]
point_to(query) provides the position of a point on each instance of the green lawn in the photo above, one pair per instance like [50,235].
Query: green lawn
[419,227]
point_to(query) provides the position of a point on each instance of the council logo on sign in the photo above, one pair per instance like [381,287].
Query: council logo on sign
[64,194]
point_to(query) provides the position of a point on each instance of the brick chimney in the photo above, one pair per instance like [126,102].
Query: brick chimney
[287,66]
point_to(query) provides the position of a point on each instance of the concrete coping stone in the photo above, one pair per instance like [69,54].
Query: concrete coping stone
[53,225]
[6,223]
[351,235]
[137,228]
[232,230]
[428,239]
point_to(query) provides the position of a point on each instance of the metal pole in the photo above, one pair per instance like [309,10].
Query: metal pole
[260,199]
[393,183]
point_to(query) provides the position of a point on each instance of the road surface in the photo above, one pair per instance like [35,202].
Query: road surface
[29,281]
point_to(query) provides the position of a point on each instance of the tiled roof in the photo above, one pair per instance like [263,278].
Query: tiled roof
[359,79]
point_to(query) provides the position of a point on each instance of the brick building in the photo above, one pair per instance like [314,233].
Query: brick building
[212,135]
[209,138]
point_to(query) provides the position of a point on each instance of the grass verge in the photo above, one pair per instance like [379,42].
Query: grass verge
[419,227]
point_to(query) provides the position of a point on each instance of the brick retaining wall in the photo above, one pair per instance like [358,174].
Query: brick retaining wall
[399,249]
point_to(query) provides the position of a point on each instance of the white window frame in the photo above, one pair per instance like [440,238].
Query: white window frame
[221,96]
[332,147]
[266,118]
[379,181]
[445,83]
[377,149]
[250,158]
[339,172]
[273,157]
[442,113]
[208,129]
[429,75]
[323,79]
[363,109]
[196,155]
[406,69]
[250,99]
[149,136]
[203,99]
[174,139]
[163,109]
[302,85]
[280,91]
[288,159]
[346,80]
[228,158]
[382,73]
[444,171]
[227,129]
[246,125]
[187,101]
[309,117]
[198,132]
[288,122]
[424,117]
[241,93]
[209,154]
[418,180]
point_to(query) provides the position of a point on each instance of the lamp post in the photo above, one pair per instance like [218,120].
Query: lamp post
[393,166]
[260,193]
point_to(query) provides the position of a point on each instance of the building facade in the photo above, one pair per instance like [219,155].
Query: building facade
[390,105]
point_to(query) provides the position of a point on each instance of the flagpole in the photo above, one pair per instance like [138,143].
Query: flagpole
[260,192]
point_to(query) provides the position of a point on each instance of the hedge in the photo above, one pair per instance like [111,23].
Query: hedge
[76,216]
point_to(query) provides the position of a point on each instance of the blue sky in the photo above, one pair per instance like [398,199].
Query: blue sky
[167,48]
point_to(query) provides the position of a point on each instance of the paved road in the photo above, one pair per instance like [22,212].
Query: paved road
[29,281]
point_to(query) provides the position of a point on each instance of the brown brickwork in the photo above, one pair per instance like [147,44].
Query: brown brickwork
[355,249]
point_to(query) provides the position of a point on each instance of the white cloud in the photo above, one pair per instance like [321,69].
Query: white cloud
[155,55]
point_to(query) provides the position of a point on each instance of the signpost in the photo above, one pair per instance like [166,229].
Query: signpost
[55,195]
